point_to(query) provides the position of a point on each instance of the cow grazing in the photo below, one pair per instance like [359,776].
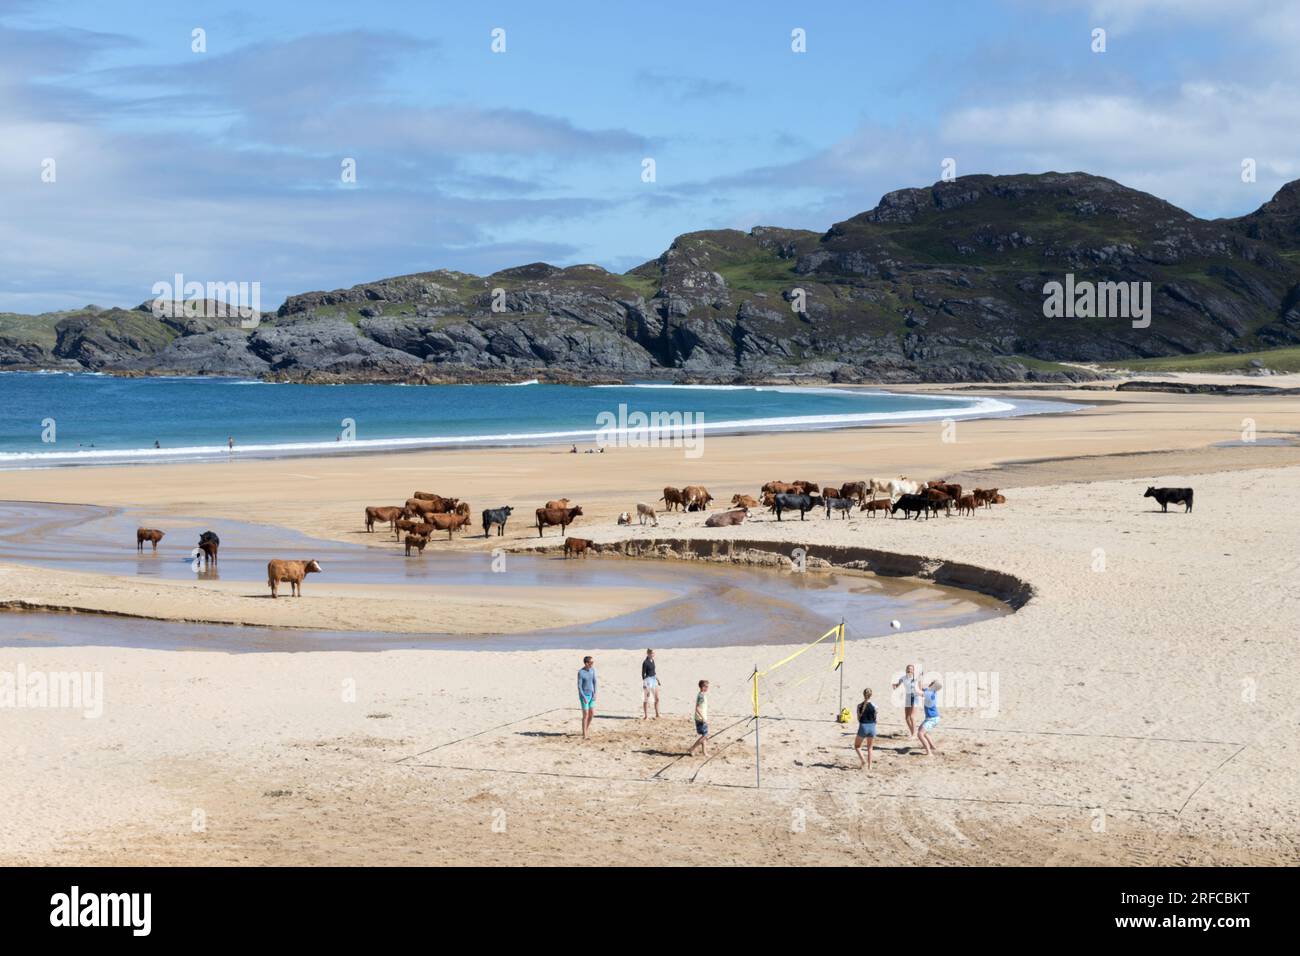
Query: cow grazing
[209,544]
[380,513]
[966,505]
[147,534]
[744,501]
[908,504]
[576,547]
[498,517]
[726,519]
[1164,496]
[416,541]
[290,571]
[557,503]
[644,511]
[876,504]
[844,506]
[449,523]
[672,498]
[546,517]
[800,503]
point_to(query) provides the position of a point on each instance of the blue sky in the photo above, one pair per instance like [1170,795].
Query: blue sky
[225,165]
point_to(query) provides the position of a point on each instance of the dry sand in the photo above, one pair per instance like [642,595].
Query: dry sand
[1145,709]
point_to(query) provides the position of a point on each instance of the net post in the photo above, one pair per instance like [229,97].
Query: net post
[758,773]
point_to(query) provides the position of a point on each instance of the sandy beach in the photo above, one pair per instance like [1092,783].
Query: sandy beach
[1144,710]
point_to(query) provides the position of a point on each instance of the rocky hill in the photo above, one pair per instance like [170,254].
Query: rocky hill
[941,283]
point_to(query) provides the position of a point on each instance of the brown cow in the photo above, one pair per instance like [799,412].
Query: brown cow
[744,501]
[671,498]
[576,546]
[557,503]
[291,571]
[966,505]
[380,513]
[726,519]
[426,496]
[874,505]
[449,523]
[552,516]
[427,506]
[696,497]
[462,508]
[805,487]
[983,496]
[951,489]
[404,524]
[939,499]
[416,541]
[998,499]
[854,489]
[777,488]
[147,534]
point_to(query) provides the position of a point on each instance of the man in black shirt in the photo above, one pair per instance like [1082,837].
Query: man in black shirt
[649,685]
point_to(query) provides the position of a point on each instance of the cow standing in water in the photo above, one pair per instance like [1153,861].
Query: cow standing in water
[209,544]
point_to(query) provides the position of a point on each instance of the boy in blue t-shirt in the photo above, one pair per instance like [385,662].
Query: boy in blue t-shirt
[931,701]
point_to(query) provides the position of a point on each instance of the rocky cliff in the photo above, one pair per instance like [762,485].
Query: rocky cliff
[942,283]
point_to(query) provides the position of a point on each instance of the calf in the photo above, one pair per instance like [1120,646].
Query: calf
[984,496]
[624,517]
[1178,496]
[966,505]
[496,516]
[576,547]
[291,571]
[1002,499]
[416,541]
[876,504]
[800,503]
[379,513]
[725,519]
[404,524]
[553,516]
[644,511]
[147,534]
[744,501]
[844,506]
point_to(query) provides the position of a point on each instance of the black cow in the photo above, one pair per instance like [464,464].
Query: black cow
[800,503]
[842,505]
[909,503]
[1180,496]
[496,516]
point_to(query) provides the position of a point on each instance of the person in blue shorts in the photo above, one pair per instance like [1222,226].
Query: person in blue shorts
[587,693]
[866,729]
[931,700]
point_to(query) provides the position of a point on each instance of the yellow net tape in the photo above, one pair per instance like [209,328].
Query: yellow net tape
[837,632]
